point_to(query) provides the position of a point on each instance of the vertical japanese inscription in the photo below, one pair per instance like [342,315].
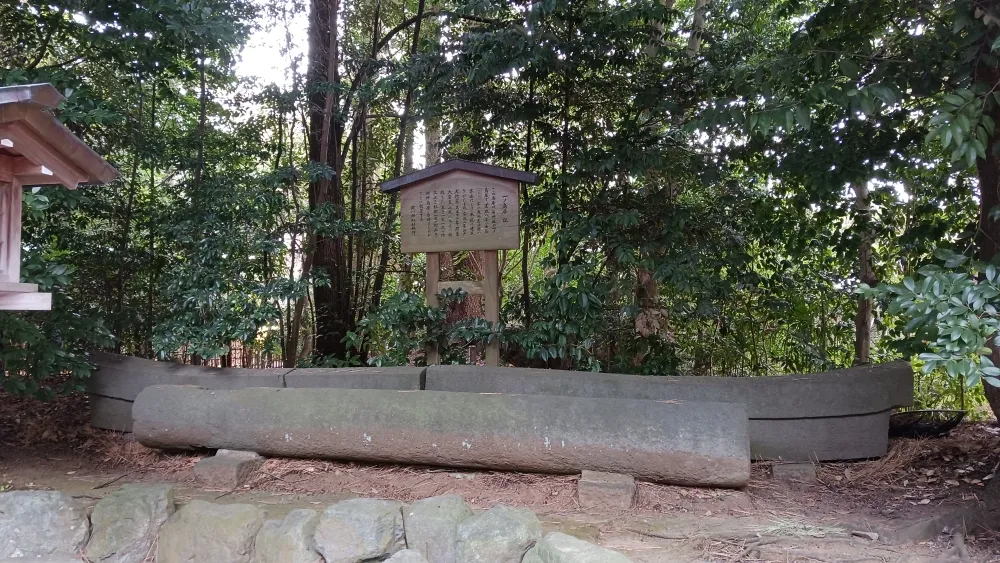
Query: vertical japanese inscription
[460,212]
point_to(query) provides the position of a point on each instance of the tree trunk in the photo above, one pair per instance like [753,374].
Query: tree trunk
[988,172]
[525,232]
[127,226]
[698,27]
[863,318]
[334,317]
[390,215]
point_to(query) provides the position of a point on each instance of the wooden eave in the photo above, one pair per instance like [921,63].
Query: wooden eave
[457,164]
[40,150]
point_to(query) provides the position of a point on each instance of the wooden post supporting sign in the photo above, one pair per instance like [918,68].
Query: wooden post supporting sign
[461,205]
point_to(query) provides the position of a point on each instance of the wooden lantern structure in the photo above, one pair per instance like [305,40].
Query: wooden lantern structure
[461,205]
[35,149]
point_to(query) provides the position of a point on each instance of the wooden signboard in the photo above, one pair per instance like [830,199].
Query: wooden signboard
[460,210]
[35,149]
[461,205]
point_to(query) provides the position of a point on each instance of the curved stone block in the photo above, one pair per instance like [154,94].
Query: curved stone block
[836,415]
[665,441]
[392,378]
[858,390]
[124,377]
[118,379]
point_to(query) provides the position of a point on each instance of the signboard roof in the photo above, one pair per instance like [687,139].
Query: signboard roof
[458,164]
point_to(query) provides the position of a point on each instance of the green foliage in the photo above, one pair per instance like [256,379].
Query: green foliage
[44,354]
[698,211]
[404,325]
[954,312]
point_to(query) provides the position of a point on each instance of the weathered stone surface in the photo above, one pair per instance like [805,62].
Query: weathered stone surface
[124,377]
[840,414]
[664,441]
[209,533]
[432,526]
[110,413]
[225,472]
[289,540]
[407,556]
[239,454]
[126,522]
[499,535]
[46,559]
[41,523]
[609,491]
[532,556]
[561,548]
[794,472]
[359,530]
[858,390]
[858,436]
[389,378]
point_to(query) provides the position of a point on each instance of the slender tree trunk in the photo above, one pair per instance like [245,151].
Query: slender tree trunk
[525,231]
[863,318]
[390,215]
[154,270]
[126,226]
[563,253]
[698,28]
[334,317]
[406,276]
[202,103]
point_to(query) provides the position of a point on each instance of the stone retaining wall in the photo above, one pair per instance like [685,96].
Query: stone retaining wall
[836,415]
[136,521]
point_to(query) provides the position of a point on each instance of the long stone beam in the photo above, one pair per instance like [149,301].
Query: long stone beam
[677,442]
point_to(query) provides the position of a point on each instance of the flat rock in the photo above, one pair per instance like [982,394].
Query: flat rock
[41,523]
[556,547]
[225,472]
[407,556]
[210,533]
[359,530]
[289,540]
[432,526]
[499,535]
[613,491]
[239,454]
[126,522]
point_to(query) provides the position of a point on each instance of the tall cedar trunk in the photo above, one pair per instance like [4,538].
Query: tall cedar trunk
[127,225]
[154,268]
[988,171]
[863,318]
[390,214]
[525,232]
[334,317]
[202,103]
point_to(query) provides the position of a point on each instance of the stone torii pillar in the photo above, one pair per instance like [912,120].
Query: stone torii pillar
[35,150]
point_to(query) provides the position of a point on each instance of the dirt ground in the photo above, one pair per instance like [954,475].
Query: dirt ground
[50,446]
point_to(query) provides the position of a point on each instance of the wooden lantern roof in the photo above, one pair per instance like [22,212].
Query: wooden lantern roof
[36,149]
[458,164]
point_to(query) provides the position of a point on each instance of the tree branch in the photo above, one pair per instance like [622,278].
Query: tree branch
[410,21]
